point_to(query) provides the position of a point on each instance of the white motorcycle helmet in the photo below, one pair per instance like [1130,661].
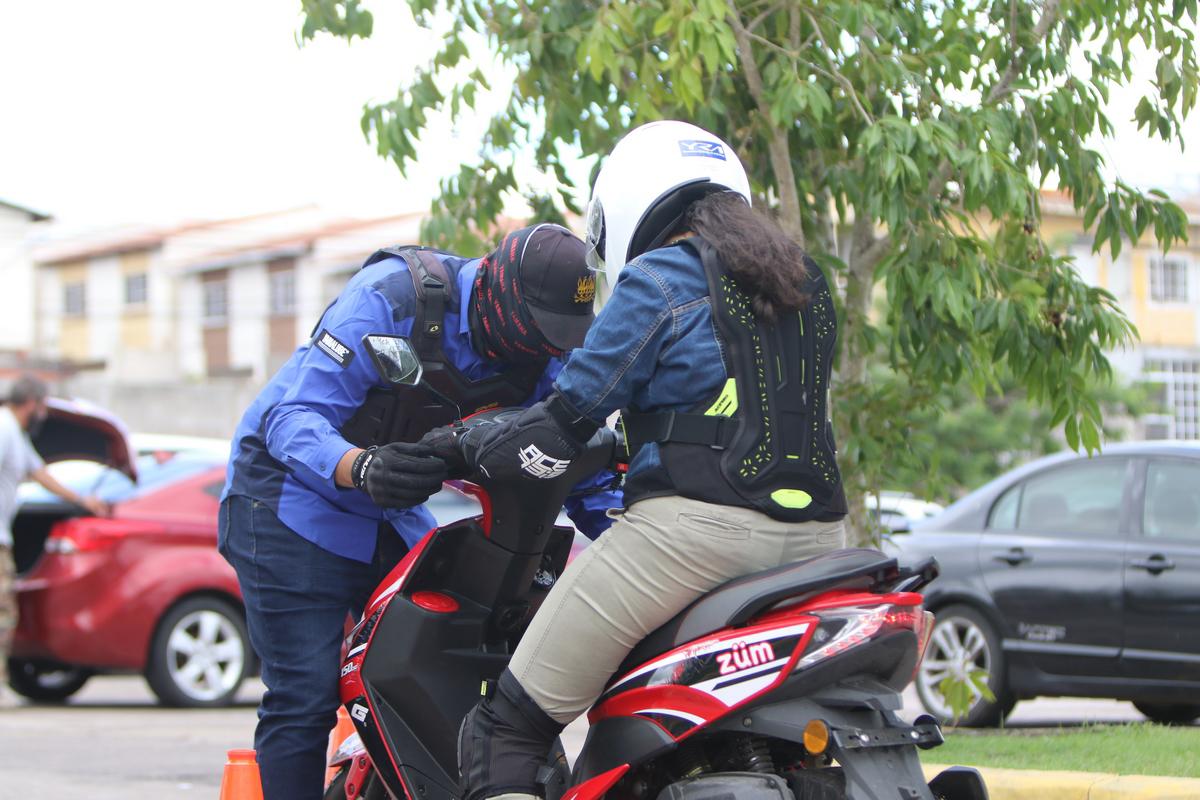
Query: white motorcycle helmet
[653,174]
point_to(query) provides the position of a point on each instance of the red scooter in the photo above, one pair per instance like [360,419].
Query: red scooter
[782,685]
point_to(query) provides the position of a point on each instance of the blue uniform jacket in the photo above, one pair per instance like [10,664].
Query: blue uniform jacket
[287,445]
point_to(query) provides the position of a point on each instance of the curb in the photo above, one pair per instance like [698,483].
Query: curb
[1021,784]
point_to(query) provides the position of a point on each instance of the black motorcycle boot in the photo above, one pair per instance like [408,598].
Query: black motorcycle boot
[503,743]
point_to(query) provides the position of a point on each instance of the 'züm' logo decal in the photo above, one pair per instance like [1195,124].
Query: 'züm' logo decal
[744,656]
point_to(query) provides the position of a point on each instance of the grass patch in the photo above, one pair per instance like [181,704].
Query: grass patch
[1136,749]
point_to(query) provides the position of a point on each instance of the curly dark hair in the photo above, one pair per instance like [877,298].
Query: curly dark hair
[767,263]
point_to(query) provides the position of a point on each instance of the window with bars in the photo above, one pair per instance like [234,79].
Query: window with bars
[283,292]
[216,301]
[1168,280]
[1180,379]
[74,299]
[136,289]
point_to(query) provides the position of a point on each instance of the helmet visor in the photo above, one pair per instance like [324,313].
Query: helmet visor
[594,254]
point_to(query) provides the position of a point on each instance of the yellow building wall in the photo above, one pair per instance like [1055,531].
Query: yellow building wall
[1160,324]
[73,333]
[135,320]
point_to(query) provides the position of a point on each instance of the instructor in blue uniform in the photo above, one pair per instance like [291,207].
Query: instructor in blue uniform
[326,485]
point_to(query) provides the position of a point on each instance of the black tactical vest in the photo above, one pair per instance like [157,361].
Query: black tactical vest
[406,413]
[764,441]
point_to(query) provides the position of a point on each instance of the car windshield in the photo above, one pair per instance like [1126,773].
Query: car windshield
[89,478]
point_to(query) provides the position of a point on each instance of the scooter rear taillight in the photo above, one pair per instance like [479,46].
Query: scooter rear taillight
[841,629]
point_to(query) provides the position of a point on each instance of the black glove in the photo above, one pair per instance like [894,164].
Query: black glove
[443,443]
[539,444]
[399,475]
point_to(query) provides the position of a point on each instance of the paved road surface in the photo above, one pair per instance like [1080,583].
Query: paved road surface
[113,743]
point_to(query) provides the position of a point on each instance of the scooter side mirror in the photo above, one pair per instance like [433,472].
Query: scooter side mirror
[394,358]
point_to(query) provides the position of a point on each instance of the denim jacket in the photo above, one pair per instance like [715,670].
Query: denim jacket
[653,347]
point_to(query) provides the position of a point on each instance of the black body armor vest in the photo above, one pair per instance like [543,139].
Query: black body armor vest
[406,413]
[765,440]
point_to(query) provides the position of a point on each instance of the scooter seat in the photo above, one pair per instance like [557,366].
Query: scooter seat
[736,602]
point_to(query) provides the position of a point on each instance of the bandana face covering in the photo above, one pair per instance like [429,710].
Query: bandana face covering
[505,328]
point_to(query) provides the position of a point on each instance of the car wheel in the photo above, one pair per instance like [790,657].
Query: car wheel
[963,641]
[1169,713]
[200,654]
[45,681]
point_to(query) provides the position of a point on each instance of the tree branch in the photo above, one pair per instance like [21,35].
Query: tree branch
[841,79]
[777,141]
[834,76]
[770,9]
[818,173]
[874,252]
[1003,87]
[862,238]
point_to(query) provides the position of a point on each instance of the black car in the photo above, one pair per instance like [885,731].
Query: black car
[1070,576]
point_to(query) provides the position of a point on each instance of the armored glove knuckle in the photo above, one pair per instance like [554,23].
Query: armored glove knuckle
[399,475]
[444,443]
[533,446]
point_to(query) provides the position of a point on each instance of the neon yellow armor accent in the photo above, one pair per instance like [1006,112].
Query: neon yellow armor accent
[726,404]
[791,498]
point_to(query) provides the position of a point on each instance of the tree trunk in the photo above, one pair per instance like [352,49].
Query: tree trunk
[852,366]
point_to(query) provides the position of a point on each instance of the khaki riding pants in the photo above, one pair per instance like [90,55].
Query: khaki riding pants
[660,555]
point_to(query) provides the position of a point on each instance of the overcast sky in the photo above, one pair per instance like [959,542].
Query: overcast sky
[149,110]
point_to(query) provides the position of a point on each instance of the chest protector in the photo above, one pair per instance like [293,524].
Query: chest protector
[406,413]
[764,441]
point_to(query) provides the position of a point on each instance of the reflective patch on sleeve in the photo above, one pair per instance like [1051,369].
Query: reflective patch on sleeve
[328,344]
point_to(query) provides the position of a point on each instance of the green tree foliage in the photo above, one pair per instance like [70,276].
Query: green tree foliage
[963,441]
[903,142]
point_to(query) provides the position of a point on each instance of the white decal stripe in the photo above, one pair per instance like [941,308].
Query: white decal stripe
[709,685]
[714,647]
[732,695]
[670,712]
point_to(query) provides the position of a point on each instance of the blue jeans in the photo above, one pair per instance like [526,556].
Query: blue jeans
[297,596]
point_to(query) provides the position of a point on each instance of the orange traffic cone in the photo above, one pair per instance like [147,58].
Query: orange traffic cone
[241,780]
[340,732]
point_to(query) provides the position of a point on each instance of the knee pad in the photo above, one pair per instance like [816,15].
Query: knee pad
[504,742]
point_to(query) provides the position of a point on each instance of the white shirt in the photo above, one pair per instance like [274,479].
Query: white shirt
[17,460]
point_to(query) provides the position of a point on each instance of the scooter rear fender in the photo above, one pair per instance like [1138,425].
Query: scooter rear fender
[878,752]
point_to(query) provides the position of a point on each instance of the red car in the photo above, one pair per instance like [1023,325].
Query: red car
[143,591]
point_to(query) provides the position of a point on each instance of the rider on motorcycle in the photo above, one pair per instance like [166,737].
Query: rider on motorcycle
[717,345]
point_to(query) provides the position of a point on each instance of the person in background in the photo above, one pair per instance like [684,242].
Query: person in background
[326,485]
[19,461]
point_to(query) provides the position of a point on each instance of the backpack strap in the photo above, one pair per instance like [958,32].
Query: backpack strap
[430,281]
